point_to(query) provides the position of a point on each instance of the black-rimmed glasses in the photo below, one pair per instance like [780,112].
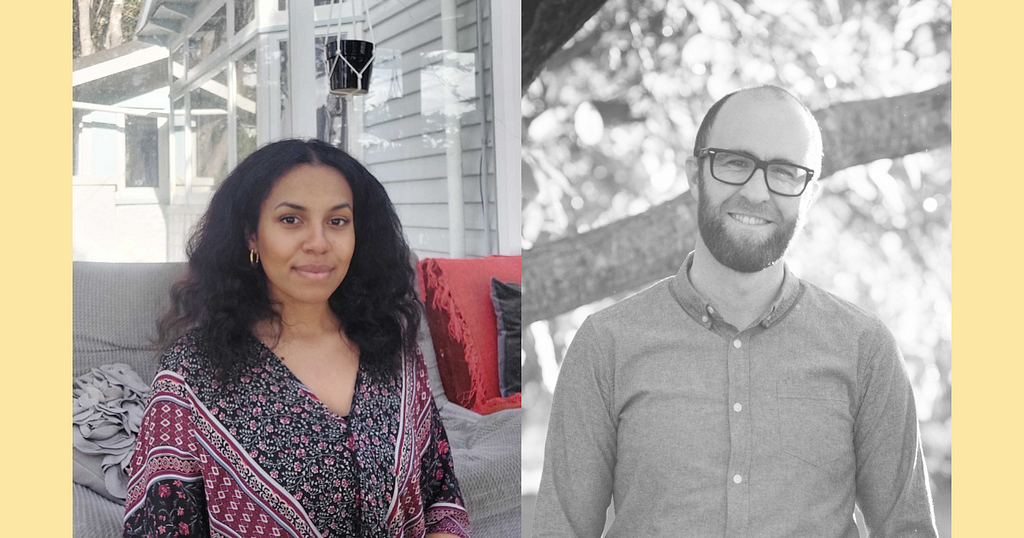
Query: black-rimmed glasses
[736,168]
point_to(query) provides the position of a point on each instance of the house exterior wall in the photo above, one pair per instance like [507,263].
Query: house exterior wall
[404,144]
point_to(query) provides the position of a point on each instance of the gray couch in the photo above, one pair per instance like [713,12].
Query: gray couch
[115,308]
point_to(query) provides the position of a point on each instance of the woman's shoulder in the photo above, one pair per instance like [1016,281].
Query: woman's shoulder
[188,355]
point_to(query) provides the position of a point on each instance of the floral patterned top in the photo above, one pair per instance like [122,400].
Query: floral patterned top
[260,455]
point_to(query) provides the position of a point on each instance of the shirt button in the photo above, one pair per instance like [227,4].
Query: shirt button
[704,319]
[737,407]
[711,310]
[737,479]
[737,344]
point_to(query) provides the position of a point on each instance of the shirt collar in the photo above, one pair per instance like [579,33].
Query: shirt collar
[704,312]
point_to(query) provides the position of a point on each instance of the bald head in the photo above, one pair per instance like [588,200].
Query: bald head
[756,97]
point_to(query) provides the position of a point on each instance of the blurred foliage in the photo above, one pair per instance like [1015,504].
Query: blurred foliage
[613,116]
[100,22]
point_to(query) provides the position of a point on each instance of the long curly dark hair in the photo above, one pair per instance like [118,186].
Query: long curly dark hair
[224,296]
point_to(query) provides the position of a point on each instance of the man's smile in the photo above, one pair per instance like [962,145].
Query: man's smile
[749,220]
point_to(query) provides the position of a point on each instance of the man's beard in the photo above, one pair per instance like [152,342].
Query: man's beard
[738,253]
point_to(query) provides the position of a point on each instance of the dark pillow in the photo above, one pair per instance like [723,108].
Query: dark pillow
[508,307]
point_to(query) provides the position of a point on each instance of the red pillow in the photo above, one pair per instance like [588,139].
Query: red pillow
[464,328]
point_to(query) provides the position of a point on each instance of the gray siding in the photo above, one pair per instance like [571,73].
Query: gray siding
[412,163]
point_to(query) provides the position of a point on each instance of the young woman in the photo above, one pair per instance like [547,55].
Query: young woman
[293,400]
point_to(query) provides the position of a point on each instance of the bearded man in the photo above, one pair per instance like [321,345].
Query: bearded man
[735,399]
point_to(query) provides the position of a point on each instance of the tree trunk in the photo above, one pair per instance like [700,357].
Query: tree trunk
[115,36]
[633,252]
[85,26]
[547,25]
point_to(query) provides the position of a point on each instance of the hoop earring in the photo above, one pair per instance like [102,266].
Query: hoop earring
[254,258]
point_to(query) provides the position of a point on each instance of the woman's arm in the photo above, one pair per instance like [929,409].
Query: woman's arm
[166,495]
[443,508]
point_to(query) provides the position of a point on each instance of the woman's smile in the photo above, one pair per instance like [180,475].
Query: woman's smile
[314,272]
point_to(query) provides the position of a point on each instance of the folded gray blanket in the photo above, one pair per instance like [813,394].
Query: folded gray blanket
[107,408]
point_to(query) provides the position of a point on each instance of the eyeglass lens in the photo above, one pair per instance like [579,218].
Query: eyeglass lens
[737,169]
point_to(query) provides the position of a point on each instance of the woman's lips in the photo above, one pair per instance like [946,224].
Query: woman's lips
[315,272]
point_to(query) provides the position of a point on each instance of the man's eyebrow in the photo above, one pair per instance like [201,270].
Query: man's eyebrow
[298,207]
[770,159]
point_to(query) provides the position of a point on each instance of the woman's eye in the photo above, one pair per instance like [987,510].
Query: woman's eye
[339,221]
[289,219]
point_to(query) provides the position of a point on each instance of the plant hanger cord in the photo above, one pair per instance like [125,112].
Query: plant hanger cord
[337,44]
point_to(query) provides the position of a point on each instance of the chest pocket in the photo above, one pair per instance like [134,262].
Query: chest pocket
[814,421]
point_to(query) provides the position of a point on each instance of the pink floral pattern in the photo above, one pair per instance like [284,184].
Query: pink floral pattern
[260,454]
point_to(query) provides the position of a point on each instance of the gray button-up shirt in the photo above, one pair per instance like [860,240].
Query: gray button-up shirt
[696,429]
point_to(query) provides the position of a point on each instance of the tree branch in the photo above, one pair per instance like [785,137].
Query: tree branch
[547,25]
[567,273]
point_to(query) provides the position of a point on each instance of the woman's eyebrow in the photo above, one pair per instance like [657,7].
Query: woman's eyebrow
[298,207]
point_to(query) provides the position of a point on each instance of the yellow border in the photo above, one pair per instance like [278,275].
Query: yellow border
[36,268]
[988,119]
[988,114]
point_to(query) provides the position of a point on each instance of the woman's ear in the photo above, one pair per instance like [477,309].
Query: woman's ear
[250,239]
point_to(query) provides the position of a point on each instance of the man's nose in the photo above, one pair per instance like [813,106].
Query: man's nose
[756,188]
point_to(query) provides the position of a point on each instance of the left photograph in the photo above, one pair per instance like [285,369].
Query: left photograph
[296,268]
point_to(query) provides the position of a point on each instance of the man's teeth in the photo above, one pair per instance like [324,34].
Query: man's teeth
[749,220]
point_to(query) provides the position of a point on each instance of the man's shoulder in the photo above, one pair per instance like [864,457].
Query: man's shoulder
[837,310]
[638,309]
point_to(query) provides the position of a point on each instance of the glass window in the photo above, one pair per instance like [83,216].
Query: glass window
[245,12]
[140,161]
[178,158]
[209,37]
[245,105]
[178,63]
[286,114]
[209,112]
[76,130]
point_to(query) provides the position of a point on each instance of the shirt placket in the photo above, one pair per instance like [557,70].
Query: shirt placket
[740,432]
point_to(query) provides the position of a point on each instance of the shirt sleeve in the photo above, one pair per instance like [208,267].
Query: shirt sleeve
[892,482]
[443,508]
[579,456]
[165,490]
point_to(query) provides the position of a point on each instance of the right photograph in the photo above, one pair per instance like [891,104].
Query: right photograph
[736,265]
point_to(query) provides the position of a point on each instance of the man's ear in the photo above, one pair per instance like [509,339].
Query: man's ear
[692,169]
[811,197]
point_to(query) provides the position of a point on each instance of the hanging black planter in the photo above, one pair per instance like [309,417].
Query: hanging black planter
[356,58]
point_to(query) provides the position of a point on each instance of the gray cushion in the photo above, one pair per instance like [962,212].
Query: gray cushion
[114,313]
[486,450]
[93,516]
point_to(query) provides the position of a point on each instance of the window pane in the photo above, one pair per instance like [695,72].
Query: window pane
[209,111]
[140,161]
[286,114]
[245,12]
[245,105]
[208,38]
[178,63]
[178,143]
